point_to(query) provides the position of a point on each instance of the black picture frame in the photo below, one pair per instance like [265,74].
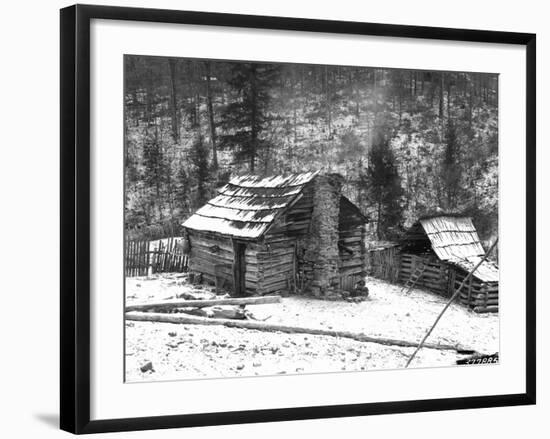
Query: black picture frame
[75,217]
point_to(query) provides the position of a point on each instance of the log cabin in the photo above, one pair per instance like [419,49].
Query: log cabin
[293,233]
[437,252]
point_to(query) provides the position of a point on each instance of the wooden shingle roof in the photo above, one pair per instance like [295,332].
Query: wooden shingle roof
[247,205]
[454,239]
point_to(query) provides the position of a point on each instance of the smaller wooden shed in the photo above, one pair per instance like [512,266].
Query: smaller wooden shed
[440,250]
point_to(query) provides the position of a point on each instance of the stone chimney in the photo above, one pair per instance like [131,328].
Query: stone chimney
[322,245]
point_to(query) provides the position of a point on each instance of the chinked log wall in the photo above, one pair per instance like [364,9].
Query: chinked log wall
[213,256]
[269,264]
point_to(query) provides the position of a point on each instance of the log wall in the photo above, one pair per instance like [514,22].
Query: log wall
[351,251]
[213,257]
[435,276]
[277,265]
[475,294]
[278,260]
[390,264]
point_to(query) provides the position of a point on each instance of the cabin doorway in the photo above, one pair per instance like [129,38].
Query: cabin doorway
[239,268]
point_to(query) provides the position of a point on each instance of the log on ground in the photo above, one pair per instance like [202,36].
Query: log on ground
[483,309]
[169,304]
[262,326]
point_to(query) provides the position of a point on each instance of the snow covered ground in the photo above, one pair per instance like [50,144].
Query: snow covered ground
[197,351]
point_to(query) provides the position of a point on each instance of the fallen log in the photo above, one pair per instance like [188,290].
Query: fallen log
[262,326]
[482,309]
[169,304]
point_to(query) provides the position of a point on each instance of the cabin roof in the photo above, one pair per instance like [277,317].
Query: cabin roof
[248,205]
[454,239]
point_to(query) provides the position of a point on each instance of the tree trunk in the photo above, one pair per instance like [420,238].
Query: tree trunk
[211,117]
[328,103]
[441,87]
[400,96]
[449,99]
[253,116]
[173,99]
[158,174]
[470,104]
[149,93]
[378,219]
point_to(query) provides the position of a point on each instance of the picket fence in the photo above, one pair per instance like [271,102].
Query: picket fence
[161,256]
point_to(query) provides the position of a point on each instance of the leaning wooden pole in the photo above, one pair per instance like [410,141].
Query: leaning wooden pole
[453,297]
[181,318]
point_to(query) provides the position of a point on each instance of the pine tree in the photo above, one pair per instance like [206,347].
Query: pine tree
[246,118]
[199,160]
[274,118]
[182,184]
[154,171]
[384,185]
[451,169]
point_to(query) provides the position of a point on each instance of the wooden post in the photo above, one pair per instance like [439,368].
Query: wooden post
[400,265]
[485,294]
[469,291]
[294,266]
[130,263]
[132,258]
[239,268]
[363,250]
[144,246]
[451,281]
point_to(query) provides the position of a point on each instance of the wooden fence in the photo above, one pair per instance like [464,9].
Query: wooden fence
[161,256]
[384,262]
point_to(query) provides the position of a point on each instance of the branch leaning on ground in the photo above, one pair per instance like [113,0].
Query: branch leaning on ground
[453,297]
[262,326]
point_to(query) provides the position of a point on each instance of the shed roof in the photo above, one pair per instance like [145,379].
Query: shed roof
[454,239]
[247,205]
